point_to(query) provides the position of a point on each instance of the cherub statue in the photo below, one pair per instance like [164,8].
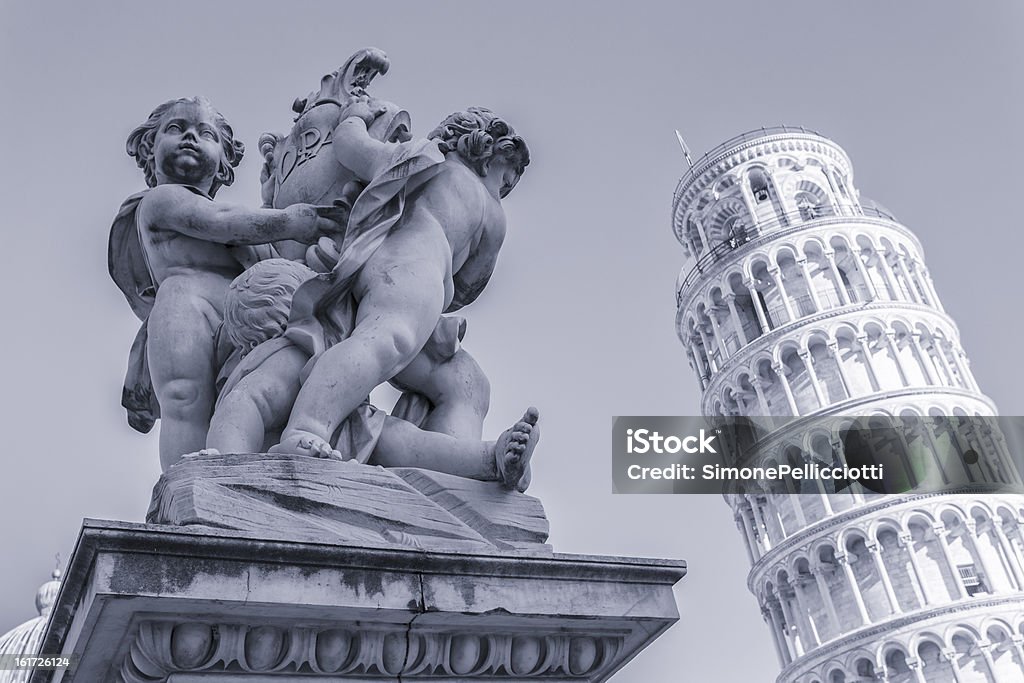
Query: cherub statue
[171,255]
[423,237]
[253,407]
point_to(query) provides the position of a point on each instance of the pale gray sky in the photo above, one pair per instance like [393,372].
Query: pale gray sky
[578,320]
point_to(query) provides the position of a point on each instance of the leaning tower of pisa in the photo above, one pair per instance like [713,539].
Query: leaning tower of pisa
[800,301]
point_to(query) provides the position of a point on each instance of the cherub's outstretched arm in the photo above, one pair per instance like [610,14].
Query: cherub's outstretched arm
[177,208]
[355,149]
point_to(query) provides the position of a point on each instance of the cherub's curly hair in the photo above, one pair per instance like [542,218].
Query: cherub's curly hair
[478,134]
[140,143]
[259,300]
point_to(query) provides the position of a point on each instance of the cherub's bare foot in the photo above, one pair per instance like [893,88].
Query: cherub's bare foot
[304,443]
[513,450]
[204,451]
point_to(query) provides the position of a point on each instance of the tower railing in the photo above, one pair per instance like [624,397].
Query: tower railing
[762,231]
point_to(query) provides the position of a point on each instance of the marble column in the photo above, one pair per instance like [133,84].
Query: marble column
[769,619]
[1007,550]
[902,267]
[808,361]
[737,321]
[758,308]
[887,275]
[986,652]
[851,579]
[746,515]
[759,521]
[801,603]
[826,598]
[921,590]
[915,666]
[707,346]
[865,350]
[923,359]
[962,364]
[833,348]
[940,533]
[762,400]
[718,332]
[876,555]
[780,371]
[894,349]
[811,289]
[933,295]
[971,530]
[844,296]
[865,276]
[1018,648]
[776,274]
[951,657]
[742,528]
[791,625]
[941,353]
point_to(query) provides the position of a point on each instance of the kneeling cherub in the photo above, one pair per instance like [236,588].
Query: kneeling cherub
[171,255]
[255,405]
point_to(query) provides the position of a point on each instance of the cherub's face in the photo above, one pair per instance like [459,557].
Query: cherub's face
[187,149]
[508,174]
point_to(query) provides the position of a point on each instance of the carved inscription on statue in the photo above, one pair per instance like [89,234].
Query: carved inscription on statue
[310,142]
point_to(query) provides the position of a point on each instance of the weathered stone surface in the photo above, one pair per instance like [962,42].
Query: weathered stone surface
[487,507]
[296,497]
[146,603]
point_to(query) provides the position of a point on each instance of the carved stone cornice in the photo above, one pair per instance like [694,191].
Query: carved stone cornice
[161,648]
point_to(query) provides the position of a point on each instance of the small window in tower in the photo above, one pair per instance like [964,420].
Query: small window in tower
[972,582]
[759,184]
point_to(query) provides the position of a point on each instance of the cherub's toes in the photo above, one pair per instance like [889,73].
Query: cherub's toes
[520,437]
[524,427]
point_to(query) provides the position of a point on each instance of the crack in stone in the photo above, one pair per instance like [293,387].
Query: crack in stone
[408,630]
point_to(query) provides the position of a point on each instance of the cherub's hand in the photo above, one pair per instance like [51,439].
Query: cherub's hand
[323,256]
[332,219]
[364,108]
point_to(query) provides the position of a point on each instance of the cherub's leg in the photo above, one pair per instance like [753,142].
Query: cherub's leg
[181,351]
[259,402]
[458,389]
[507,460]
[397,313]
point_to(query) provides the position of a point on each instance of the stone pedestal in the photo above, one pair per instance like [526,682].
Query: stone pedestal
[147,603]
[287,569]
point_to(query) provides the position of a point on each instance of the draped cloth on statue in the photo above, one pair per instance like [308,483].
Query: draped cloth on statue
[129,268]
[323,309]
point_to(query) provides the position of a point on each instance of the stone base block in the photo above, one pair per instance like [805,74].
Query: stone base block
[300,498]
[153,603]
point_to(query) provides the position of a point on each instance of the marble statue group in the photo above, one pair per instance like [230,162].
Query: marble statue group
[266,329]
